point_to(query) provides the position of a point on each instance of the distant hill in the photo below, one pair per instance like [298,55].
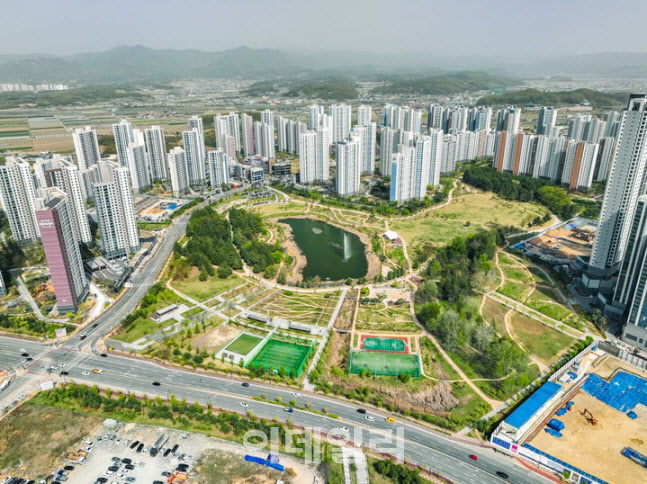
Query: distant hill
[444,84]
[330,89]
[533,97]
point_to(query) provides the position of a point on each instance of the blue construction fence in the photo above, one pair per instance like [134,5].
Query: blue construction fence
[585,477]
[269,462]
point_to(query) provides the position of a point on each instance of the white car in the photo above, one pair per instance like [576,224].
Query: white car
[85,373]
[296,394]
[244,404]
[23,350]
[108,473]
[369,418]
[344,429]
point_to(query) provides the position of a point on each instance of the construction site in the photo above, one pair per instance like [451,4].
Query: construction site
[563,243]
[588,423]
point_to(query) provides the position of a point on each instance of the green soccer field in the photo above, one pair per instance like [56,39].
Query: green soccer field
[243,344]
[276,354]
[384,364]
[385,344]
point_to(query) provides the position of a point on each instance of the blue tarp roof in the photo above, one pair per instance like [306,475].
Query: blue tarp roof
[527,409]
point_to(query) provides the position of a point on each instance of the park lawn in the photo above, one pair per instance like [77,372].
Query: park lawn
[471,406]
[309,308]
[378,317]
[141,327]
[271,209]
[494,313]
[514,290]
[545,305]
[465,215]
[433,363]
[540,340]
[517,274]
[199,290]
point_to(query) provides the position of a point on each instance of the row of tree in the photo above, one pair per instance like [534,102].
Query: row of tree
[522,188]
[246,229]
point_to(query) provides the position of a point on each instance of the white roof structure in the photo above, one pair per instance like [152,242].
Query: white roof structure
[391,235]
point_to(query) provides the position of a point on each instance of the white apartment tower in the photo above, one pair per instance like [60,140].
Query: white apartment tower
[17,194]
[60,173]
[227,125]
[508,119]
[546,121]
[363,115]
[156,149]
[264,140]
[114,206]
[193,154]
[313,156]
[86,146]
[348,168]
[138,166]
[218,162]
[341,121]
[625,184]
[124,135]
[178,171]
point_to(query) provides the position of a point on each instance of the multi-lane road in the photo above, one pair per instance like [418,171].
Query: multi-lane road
[444,455]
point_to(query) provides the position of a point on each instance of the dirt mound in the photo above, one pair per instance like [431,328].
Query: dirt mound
[433,399]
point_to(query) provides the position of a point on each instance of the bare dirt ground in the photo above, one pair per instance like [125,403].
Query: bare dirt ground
[216,339]
[596,449]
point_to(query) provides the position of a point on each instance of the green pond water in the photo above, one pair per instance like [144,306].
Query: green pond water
[332,253]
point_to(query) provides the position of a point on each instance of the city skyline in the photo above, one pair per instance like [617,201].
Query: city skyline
[285,26]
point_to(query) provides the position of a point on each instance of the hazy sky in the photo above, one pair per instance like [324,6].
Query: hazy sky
[451,27]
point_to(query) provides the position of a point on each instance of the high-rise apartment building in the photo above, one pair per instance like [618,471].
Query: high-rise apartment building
[508,119]
[341,120]
[61,173]
[114,206]
[546,121]
[138,166]
[264,139]
[401,175]
[314,158]
[227,125]
[156,149]
[315,116]
[194,157]
[86,146]
[348,168]
[218,162]
[54,214]
[364,114]
[625,184]
[17,193]
[124,135]
[249,148]
[178,172]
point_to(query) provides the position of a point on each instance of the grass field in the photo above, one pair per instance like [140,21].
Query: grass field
[543,342]
[243,344]
[279,354]
[218,466]
[309,308]
[199,290]
[465,215]
[385,364]
[379,317]
[514,290]
[494,312]
[36,437]
[384,344]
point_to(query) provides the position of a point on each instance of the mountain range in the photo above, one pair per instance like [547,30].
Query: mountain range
[139,63]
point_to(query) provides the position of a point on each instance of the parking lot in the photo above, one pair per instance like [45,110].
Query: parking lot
[114,460]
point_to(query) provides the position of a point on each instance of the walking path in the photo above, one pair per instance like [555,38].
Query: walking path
[356,456]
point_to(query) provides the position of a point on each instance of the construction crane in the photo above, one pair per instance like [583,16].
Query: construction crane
[591,419]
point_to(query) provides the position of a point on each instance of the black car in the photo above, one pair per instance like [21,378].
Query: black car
[116,459]
[83,337]
[502,474]
[102,479]
[94,326]
[113,468]
[127,461]
[140,447]
[158,482]
[104,355]
[65,373]
[167,452]
[156,383]
[68,468]
[361,410]
[130,467]
[134,444]
[166,474]
[174,449]
[182,467]
[25,355]
[29,359]
[245,384]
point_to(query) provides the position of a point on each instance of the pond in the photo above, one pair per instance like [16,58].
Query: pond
[331,253]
